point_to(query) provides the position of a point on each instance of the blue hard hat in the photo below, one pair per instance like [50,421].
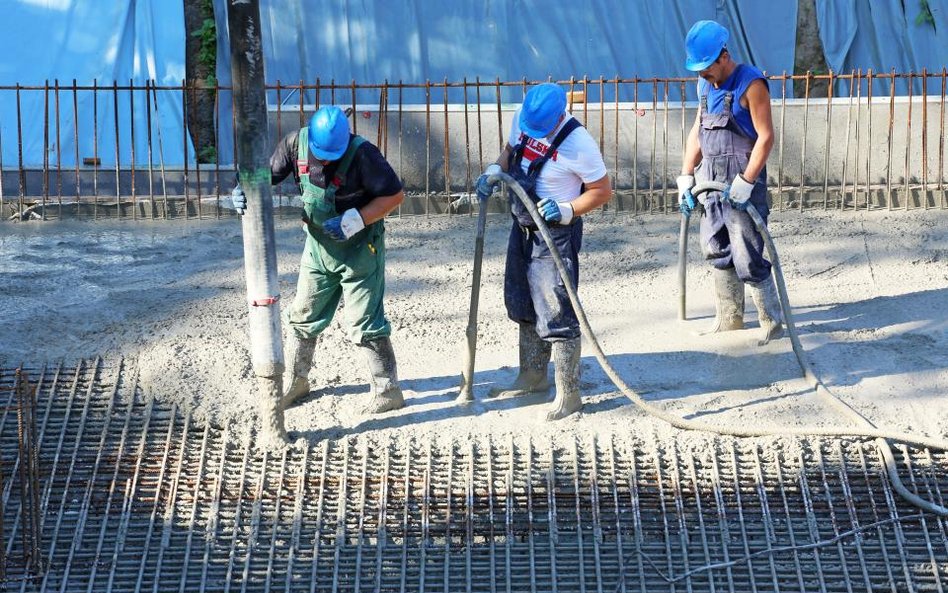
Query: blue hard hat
[703,44]
[542,108]
[328,133]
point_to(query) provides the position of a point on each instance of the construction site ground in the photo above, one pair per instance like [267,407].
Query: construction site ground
[136,333]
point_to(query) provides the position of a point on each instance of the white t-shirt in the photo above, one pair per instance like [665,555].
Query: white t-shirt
[576,161]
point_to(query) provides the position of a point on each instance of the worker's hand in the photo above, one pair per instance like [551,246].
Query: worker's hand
[484,189]
[686,200]
[739,193]
[239,199]
[553,211]
[344,226]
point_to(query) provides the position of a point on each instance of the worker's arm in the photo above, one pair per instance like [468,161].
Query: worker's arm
[758,104]
[283,159]
[692,154]
[504,157]
[597,193]
[379,207]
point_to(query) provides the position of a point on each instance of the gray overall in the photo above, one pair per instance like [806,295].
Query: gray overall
[728,236]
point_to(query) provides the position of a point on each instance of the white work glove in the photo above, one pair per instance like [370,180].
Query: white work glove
[686,201]
[343,227]
[740,192]
[482,188]
[553,211]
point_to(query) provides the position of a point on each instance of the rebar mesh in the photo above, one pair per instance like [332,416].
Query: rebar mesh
[136,495]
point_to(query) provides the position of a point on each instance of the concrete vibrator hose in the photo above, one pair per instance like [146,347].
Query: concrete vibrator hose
[868,430]
[885,449]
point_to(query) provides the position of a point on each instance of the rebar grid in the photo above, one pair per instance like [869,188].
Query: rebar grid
[441,136]
[20,555]
[138,496]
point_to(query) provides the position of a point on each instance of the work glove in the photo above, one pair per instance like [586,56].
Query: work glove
[553,211]
[239,199]
[686,200]
[345,225]
[739,193]
[484,189]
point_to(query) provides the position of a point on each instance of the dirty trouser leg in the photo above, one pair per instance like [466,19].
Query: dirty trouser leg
[312,309]
[362,267]
[747,252]
[717,249]
[556,319]
[534,351]
[317,294]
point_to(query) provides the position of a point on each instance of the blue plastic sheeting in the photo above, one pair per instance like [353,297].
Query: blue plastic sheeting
[412,41]
[90,40]
[884,35]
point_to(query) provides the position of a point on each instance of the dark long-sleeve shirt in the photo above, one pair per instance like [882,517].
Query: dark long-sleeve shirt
[369,176]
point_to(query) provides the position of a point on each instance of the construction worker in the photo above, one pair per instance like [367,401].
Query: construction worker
[559,165]
[730,141]
[347,189]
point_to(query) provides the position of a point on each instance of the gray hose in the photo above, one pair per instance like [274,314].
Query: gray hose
[683,267]
[684,424]
[466,393]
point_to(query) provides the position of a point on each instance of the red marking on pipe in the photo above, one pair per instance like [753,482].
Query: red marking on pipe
[265,302]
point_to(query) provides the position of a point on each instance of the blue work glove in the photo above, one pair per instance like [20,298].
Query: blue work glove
[553,211]
[739,193]
[686,200]
[239,199]
[484,189]
[345,225]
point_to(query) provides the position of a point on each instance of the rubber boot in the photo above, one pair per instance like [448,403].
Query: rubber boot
[534,357]
[769,313]
[728,301]
[566,370]
[272,433]
[299,355]
[383,383]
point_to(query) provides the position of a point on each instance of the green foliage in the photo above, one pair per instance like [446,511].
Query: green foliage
[925,16]
[208,154]
[207,34]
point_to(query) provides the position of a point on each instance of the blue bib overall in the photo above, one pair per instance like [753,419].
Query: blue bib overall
[728,235]
[534,293]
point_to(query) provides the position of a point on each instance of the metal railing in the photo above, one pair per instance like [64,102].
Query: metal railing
[856,146]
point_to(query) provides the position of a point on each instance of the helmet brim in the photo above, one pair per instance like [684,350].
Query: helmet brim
[326,155]
[698,66]
[535,132]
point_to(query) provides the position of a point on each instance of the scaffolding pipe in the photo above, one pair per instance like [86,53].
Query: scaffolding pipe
[253,166]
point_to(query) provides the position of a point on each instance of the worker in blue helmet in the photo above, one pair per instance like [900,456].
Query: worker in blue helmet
[730,141]
[347,189]
[560,166]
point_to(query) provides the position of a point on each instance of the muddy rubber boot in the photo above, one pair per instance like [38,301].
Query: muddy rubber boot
[769,313]
[566,371]
[728,301]
[272,433]
[386,394]
[299,355]
[534,357]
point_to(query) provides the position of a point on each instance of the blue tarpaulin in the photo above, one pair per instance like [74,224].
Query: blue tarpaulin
[413,41]
[885,36]
[91,41]
[373,41]
[410,41]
